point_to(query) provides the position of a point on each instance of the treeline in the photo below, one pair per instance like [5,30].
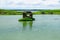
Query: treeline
[10,12]
[19,12]
[47,12]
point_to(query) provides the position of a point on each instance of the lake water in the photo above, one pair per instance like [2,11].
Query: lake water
[45,27]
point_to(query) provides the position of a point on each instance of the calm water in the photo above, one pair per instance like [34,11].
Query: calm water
[45,27]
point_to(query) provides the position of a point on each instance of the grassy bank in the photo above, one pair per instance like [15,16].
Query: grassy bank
[48,12]
[18,12]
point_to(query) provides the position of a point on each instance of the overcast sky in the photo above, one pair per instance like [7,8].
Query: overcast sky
[30,4]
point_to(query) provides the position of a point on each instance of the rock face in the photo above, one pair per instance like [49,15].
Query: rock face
[25,14]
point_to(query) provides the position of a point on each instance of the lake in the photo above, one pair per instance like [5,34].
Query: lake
[45,27]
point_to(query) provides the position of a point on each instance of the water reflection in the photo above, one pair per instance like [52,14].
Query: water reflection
[27,25]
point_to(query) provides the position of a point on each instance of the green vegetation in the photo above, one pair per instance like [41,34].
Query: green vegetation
[10,12]
[19,12]
[47,12]
[26,19]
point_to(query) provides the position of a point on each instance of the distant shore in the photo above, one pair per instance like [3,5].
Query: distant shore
[35,12]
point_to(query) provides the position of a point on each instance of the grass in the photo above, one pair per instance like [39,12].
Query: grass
[26,19]
[47,12]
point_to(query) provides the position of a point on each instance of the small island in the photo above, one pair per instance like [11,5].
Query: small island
[27,16]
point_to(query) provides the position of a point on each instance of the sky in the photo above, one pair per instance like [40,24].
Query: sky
[29,4]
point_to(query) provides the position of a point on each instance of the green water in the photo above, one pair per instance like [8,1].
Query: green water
[45,27]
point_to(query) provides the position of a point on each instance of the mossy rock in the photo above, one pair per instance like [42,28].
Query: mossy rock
[26,19]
